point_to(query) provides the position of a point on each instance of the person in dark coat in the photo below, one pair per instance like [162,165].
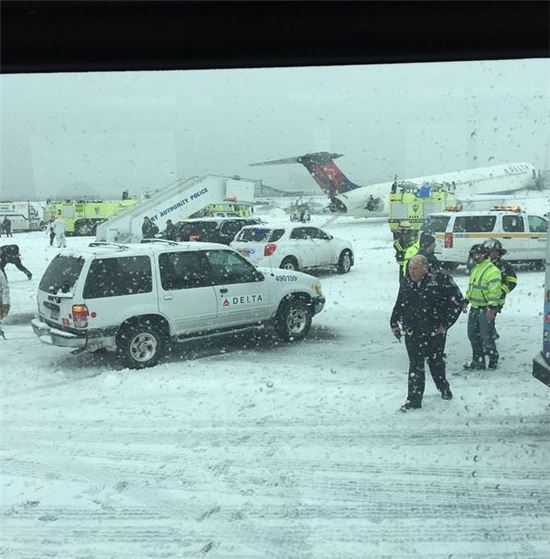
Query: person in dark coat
[425,246]
[509,277]
[148,228]
[7,226]
[427,249]
[51,229]
[170,231]
[427,305]
[9,254]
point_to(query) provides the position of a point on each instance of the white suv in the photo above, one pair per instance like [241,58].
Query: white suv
[136,298]
[293,248]
[523,235]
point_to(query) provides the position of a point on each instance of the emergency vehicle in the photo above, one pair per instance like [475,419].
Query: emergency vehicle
[541,362]
[83,216]
[409,204]
[522,234]
[225,210]
[24,216]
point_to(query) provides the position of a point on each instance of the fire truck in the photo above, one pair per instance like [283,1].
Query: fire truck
[409,204]
[83,216]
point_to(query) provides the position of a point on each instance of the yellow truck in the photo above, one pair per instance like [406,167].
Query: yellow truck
[225,210]
[83,216]
[409,204]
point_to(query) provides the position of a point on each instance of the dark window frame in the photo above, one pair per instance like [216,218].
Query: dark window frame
[92,291]
[506,219]
[168,285]
[472,223]
[217,277]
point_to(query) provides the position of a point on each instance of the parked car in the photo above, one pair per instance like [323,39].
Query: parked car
[134,299]
[522,234]
[210,229]
[293,248]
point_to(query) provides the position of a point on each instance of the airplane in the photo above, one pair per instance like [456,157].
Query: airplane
[351,199]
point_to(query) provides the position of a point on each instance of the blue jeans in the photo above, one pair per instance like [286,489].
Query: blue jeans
[481,333]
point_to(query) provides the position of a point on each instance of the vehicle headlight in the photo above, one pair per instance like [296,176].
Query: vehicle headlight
[317,288]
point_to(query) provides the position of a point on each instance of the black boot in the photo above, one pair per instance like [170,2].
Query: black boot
[446,394]
[410,406]
[475,364]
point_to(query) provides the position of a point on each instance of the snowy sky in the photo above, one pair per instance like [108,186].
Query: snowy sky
[143,130]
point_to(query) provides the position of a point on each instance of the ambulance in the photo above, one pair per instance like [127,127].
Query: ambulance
[522,234]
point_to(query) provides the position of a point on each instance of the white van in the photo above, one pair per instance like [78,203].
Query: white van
[523,235]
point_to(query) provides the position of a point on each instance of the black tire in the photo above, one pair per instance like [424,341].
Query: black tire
[539,265]
[140,345]
[293,320]
[449,265]
[289,263]
[345,262]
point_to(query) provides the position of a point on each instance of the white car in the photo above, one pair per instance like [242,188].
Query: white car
[293,248]
[134,299]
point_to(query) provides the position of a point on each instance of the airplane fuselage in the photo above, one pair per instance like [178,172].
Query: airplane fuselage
[499,179]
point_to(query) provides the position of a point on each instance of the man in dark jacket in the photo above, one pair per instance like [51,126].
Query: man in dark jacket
[7,226]
[170,231]
[9,254]
[427,306]
[425,246]
[148,228]
[427,249]
[509,277]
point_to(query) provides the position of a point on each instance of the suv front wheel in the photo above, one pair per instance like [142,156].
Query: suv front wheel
[139,345]
[293,320]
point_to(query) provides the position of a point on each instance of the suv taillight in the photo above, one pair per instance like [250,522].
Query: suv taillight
[270,249]
[448,240]
[194,237]
[80,316]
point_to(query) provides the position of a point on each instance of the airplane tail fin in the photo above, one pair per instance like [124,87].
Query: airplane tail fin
[322,168]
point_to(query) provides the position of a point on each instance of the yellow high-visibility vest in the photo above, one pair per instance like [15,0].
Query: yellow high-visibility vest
[484,288]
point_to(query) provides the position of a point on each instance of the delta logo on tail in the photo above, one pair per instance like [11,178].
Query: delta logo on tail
[322,168]
[372,200]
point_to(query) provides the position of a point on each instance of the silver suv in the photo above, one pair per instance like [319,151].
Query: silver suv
[135,299]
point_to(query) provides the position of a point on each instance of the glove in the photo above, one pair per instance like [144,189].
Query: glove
[4,311]
[491,313]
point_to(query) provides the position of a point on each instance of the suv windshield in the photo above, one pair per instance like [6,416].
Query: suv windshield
[61,274]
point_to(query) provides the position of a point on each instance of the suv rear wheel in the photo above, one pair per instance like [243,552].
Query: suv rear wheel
[140,345]
[289,263]
[293,320]
[344,262]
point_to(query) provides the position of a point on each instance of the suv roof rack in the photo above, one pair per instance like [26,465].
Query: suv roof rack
[108,244]
[161,241]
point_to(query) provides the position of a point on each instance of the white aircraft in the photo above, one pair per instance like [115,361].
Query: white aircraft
[372,200]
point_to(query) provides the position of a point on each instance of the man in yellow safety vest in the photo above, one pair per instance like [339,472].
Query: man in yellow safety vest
[484,296]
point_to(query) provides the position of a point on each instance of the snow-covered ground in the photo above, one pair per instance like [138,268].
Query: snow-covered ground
[252,448]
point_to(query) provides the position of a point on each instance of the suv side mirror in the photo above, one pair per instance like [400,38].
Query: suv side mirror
[329,237]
